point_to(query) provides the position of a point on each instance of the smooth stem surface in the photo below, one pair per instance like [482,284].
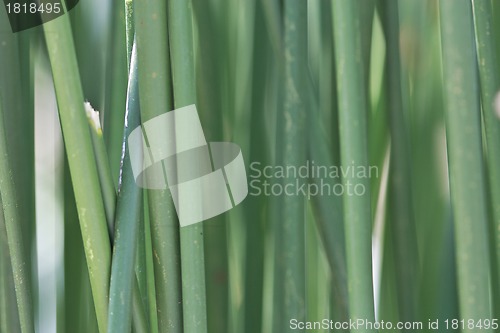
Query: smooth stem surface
[255,221]
[81,161]
[14,235]
[77,292]
[402,220]
[328,216]
[16,86]
[129,28]
[156,99]
[466,169]
[490,83]
[353,150]
[9,317]
[150,273]
[110,202]
[126,223]
[289,280]
[192,247]
[18,135]
[323,150]
[116,90]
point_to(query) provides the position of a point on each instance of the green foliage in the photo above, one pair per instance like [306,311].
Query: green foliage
[406,88]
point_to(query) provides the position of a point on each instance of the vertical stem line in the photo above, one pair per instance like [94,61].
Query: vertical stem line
[490,84]
[9,317]
[290,231]
[155,91]
[466,169]
[123,281]
[81,161]
[354,153]
[16,87]
[116,90]
[15,235]
[192,239]
[402,220]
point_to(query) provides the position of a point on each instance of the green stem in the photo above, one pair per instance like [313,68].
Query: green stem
[466,169]
[401,211]
[328,216]
[323,149]
[116,91]
[15,235]
[9,317]
[289,277]
[81,161]
[17,89]
[128,216]
[156,98]
[77,292]
[192,241]
[354,151]
[255,207]
[490,84]
[150,274]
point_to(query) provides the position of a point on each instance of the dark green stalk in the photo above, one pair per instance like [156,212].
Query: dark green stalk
[9,317]
[77,292]
[328,215]
[116,90]
[87,43]
[150,283]
[466,169]
[273,20]
[255,207]
[81,161]
[140,257]
[401,212]
[17,89]
[126,223]
[156,99]
[109,196]
[490,84]
[354,152]
[289,280]
[26,170]
[323,149]
[192,241]
[212,84]
[14,234]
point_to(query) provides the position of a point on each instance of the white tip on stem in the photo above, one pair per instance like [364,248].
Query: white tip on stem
[93,116]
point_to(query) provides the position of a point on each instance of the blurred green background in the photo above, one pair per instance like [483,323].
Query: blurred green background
[406,87]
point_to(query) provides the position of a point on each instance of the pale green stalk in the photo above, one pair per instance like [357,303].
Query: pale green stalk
[466,167]
[81,161]
[354,151]
[192,240]
[155,89]
[400,195]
